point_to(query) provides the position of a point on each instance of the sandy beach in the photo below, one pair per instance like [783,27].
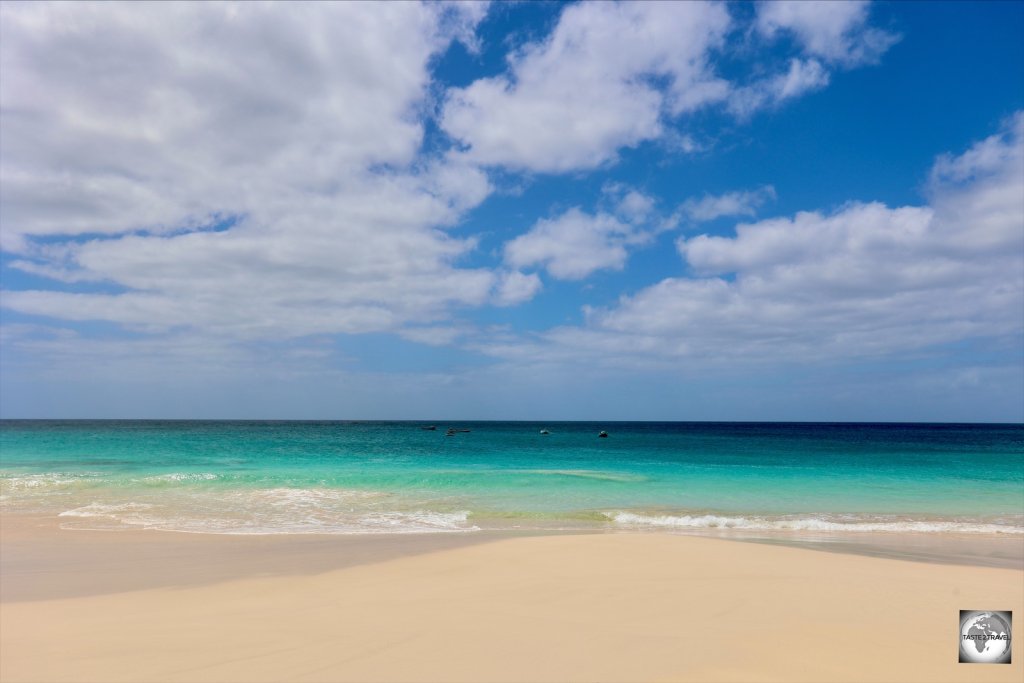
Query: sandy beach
[469,607]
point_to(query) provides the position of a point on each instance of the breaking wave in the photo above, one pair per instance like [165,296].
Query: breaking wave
[268,511]
[823,524]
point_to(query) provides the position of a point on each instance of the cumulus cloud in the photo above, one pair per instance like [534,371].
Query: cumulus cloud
[867,280]
[739,203]
[572,245]
[575,244]
[233,167]
[118,117]
[574,99]
[829,35]
[835,31]
[459,18]
[803,75]
[254,173]
[635,206]
[614,75]
[516,287]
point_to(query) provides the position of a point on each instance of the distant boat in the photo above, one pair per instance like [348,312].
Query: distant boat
[464,431]
[544,431]
[431,428]
[603,435]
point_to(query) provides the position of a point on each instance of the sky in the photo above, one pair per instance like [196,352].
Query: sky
[534,211]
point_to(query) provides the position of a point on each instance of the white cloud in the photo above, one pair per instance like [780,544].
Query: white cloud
[147,124]
[803,76]
[988,158]
[740,203]
[573,100]
[574,244]
[515,288]
[635,206]
[978,197]
[136,129]
[835,31]
[614,75]
[829,34]
[121,116]
[459,18]
[865,281]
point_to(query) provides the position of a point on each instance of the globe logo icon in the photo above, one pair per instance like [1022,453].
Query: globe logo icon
[985,637]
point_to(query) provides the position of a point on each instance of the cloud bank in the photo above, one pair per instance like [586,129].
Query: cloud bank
[234,168]
[865,281]
[242,186]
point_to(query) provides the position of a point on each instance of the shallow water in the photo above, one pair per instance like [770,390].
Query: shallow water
[384,477]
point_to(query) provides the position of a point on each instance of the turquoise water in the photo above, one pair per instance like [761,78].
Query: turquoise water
[379,477]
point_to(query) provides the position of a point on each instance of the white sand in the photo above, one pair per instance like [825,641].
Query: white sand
[603,607]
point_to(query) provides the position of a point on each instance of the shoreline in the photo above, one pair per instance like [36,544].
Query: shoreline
[41,560]
[557,607]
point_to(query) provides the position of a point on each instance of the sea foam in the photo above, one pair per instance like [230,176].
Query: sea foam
[751,523]
[278,510]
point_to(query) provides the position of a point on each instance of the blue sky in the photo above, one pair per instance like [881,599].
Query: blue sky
[669,211]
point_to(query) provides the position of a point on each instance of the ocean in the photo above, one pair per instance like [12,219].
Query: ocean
[254,477]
